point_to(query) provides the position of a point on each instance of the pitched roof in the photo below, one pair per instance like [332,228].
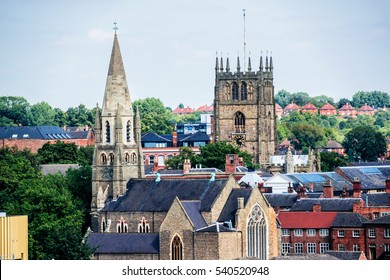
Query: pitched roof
[229,210]
[124,243]
[345,255]
[385,220]
[154,137]
[346,107]
[205,108]
[198,136]
[371,177]
[306,219]
[327,204]
[376,199]
[149,195]
[292,106]
[349,220]
[33,132]
[366,108]
[284,200]
[179,110]
[217,227]
[328,106]
[318,179]
[192,208]
[309,106]
[334,144]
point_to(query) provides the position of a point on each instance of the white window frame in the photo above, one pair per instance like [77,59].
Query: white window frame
[386,232]
[286,248]
[311,248]
[387,247]
[384,214]
[324,247]
[371,233]
[341,247]
[285,232]
[311,232]
[324,232]
[356,247]
[298,246]
[298,232]
[341,233]
[355,233]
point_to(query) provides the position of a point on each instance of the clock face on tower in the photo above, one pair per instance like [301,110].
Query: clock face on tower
[239,139]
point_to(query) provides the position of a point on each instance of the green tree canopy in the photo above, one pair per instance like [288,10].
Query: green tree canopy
[331,160]
[176,162]
[372,98]
[283,98]
[304,135]
[364,143]
[14,111]
[42,114]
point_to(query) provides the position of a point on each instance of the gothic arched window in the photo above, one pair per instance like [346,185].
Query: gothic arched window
[234,91]
[256,234]
[128,129]
[133,158]
[239,122]
[177,248]
[111,158]
[103,158]
[108,136]
[127,157]
[143,226]
[103,225]
[121,226]
[244,91]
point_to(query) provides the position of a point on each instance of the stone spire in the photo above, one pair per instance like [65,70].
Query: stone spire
[227,65]
[98,126]
[266,63]
[116,63]
[238,64]
[271,66]
[261,64]
[216,64]
[221,68]
[249,64]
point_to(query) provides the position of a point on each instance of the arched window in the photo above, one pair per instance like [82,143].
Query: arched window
[104,225]
[133,158]
[256,234]
[128,129]
[103,158]
[143,226]
[108,136]
[234,91]
[244,91]
[239,122]
[121,226]
[111,158]
[127,158]
[177,248]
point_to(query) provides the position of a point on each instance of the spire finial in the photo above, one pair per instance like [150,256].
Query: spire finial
[115,27]
[243,10]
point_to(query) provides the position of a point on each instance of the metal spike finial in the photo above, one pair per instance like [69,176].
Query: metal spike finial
[115,27]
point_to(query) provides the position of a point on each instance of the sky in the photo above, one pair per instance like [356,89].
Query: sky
[59,51]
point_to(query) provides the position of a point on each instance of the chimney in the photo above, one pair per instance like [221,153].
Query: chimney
[290,189]
[240,203]
[388,185]
[186,166]
[311,187]
[327,189]
[230,163]
[345,193]
[301,191]
[356,186]
[317,207]
[174,137]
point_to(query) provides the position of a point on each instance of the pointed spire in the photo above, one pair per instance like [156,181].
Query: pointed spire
[98,126]
[116,64]
[227,65]
[238,64]
[261,63]
[216,63]
[137,125]
[271,66]
[249,63]
[266,63]
[221,68]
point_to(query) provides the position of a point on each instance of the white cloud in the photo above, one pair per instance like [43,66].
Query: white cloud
[99,35]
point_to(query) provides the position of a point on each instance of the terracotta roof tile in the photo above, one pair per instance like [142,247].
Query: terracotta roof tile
[306,219]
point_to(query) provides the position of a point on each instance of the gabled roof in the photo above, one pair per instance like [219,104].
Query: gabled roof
[81,134]
[309,106]
[229,210]
[196,137]
[205,108]
[151,196]
[278,107]
[327,204]
[192,208]
[306,219]
[33,132]
[366,108]
[333,144]
[346,107]
[283,200]
[179,110]
[349,220]
[371,177]
[328,106]
[215,228]
[124,243]
[291,106]
[318,179]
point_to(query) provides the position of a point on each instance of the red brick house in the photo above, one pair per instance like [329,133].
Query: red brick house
[290,108]
[378,238]
[183,111]
[347,111]
[205,109]
[328,110]
[334,146]
[309,108]
[278,110]
[366,110]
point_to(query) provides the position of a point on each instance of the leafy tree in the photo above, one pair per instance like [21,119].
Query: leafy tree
[372,98]
[300,98]
[80,116]
[59,152]
[331,160]
[282,130]
[306,135]
[42,114]
[343,101]
[176,162]
[154,116]
[321,100]
[14,111]
[364,143]
[181,105]
[382,118]
[283,98]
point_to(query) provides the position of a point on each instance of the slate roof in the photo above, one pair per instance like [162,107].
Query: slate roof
[371,177]
[124,243]
[229,210]
[216,228]
[192,208]
[306,257]
[306,219]
[150,196]
[283,200]
[33,132]
[349,220]
[57,168]
[78,134]
[327,204]
[376,199]
[198,136]
[345,255]
[154,137]
[385,220]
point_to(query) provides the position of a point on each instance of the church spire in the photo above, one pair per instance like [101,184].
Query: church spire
[271,66]
[98,126]
[249,63]
[116,64]
[238,64]
[261,63]
[227,65]
[221,68]
[216,63]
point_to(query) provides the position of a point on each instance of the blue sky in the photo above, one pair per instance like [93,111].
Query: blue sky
[58,51]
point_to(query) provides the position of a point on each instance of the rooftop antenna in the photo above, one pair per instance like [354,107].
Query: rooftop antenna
[244,41]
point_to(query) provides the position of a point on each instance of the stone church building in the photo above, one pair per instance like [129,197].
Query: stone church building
[204,217]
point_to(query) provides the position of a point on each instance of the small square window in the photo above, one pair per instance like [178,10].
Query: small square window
[355,233]
[324,232]
[311,232]
[341,233]
[341,247]
[356,247]
[298,248]
[285,232]
[371,233]
[286,248]
[298,232]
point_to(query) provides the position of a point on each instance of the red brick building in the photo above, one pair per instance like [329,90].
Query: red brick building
[366,110]
[347,111]
[328,110]
[310,108]
[290,108]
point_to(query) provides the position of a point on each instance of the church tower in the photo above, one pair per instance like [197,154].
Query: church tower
[244,108]
[118,152]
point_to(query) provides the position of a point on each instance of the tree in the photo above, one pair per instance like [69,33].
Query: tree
[321,100]
[176,162]
[80,116]
[42,114]
[343,101]
[304,135]
[331,160]
[364,143]
[375,99]
[283,98]
[59,152]
[300,98]
[154,116]
[14,111]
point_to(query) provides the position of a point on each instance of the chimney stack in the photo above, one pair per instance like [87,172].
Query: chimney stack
[301,191]
[356,186]
[240,203]
[327,189]
[186,166]
[317,207]
[231,163]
